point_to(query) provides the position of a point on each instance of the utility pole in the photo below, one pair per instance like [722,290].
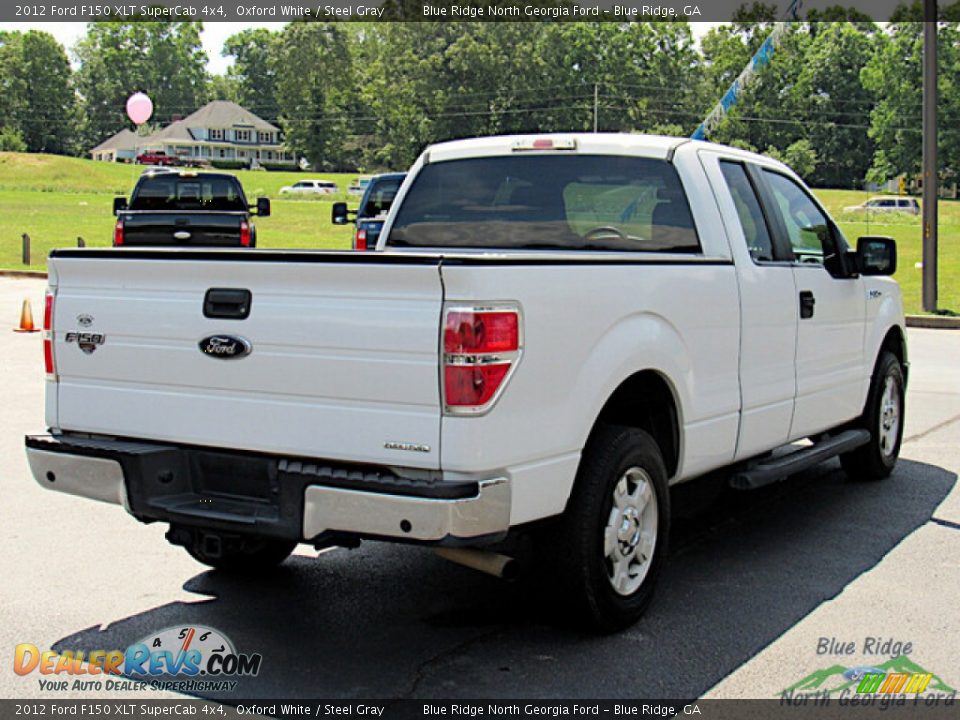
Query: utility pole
[930,174]
[596,97]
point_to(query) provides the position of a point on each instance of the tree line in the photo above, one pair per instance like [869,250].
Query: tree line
[841,101]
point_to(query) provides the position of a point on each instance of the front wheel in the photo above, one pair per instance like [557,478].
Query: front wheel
[613,535]
[883,417]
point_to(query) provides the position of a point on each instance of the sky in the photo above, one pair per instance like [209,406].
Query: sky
[213,37]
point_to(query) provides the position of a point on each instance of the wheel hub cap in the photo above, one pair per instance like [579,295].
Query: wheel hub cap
[889,429]
[631,531]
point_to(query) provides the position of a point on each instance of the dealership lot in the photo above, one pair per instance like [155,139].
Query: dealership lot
[755,580]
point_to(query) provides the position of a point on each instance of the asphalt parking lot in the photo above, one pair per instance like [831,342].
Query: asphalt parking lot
[754,582]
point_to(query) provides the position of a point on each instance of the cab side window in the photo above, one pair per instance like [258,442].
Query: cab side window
[748,210]
[807,228]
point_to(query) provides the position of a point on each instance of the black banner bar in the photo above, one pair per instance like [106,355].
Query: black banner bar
[819,708]
[444,10]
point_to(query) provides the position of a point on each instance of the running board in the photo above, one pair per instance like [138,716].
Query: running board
[772,470]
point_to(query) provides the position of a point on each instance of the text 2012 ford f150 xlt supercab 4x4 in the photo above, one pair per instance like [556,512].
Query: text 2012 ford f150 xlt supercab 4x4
[558,329]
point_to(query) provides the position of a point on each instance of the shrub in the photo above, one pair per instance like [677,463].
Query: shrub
[230,164]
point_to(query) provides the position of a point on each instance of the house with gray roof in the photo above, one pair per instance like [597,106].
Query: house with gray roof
[118,148]
[220,130]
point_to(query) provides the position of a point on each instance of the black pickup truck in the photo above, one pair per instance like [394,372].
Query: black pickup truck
[186,208]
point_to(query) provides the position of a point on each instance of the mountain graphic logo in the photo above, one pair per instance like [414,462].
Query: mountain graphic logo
[837,678]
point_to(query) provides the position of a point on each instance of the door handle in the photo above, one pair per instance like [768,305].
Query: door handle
[807,301]
[227,303]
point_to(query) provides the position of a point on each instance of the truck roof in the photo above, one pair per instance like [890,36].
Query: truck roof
[604,143]
[653,146]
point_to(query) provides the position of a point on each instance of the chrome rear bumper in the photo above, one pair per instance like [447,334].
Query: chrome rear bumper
[277,498]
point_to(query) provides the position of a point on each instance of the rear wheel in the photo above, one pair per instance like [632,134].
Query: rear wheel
[883,417]
[613,537]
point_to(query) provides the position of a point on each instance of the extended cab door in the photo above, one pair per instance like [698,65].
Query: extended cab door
[832,307]
[768,308]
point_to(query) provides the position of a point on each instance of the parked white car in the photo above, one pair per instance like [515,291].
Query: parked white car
[557,329]
[887,204]
[311,187]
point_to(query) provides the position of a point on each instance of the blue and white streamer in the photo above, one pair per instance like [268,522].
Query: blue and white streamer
[759,61]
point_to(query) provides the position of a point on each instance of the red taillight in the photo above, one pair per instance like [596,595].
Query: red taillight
[472,385]
[118,234]
[48,357]
[48,311]
[481,332]
[48,336]
[360,240]
[244,233]
[480,347]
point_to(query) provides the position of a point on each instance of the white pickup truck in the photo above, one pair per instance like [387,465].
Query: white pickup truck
[557,329]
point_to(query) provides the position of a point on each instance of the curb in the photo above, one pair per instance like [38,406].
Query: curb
[23,273]
[936,322]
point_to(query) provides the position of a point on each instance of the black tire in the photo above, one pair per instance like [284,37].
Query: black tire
[613,454]
[876,459]
[249,556]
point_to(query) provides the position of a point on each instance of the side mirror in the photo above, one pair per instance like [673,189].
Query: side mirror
[340,215]
[263,207]
[877,255]
[119,204]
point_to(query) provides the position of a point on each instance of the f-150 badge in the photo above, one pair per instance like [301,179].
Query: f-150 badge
[88,342]
[225,347]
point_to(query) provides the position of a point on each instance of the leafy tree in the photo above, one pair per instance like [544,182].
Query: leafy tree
[411,94]
[13,85]
[11,140]
[165,60]
[646,73]
[225,87]
[800,156]
[769,112]
[254,72]
[895,76]
[835,105]
[38,106]
[316,91]
[50,107]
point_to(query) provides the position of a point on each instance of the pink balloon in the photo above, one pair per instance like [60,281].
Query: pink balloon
[139,108]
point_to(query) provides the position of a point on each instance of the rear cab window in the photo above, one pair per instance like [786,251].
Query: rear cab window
[188,192]
[380,197]
[531,202]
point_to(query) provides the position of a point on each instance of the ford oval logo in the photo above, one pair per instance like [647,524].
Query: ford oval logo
[225,347]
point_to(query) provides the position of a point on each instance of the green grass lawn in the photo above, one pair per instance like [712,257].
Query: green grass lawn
[57,199]
[56,174]
[907,231]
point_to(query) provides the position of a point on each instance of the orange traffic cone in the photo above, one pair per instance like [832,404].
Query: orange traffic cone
[26,319]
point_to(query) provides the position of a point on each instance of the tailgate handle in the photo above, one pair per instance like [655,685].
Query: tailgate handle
[227,303]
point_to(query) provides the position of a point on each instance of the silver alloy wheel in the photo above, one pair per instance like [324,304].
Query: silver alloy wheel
[889,421]
[630,536]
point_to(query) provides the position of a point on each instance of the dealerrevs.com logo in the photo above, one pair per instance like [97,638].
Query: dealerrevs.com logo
[190,658]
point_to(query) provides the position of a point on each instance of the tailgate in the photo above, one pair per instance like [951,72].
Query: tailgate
[179,229]
[343,358]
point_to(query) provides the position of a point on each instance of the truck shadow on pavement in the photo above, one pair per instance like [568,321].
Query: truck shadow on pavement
[386,621]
